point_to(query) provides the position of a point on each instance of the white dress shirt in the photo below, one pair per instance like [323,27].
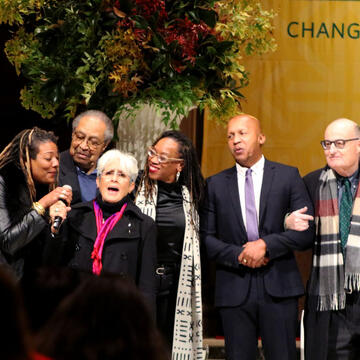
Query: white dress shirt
[257,177]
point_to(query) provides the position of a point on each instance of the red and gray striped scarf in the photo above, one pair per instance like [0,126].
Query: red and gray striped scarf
[332,275]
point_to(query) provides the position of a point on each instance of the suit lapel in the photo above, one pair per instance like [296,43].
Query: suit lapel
[268,176]
[72,180]
[68,175]
[234,196]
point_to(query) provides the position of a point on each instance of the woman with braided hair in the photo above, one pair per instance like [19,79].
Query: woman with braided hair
[28,175]
[170,190]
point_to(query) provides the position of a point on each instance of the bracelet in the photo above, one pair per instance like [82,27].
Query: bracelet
[39,208]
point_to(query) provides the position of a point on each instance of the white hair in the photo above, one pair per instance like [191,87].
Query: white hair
[109,132]
[127,162]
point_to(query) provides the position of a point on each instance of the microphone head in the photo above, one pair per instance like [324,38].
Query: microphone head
[68,187]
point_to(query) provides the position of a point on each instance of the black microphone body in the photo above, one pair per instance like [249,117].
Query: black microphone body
[58,219]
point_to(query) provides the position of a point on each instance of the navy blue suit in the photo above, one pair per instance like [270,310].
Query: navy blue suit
[223,233]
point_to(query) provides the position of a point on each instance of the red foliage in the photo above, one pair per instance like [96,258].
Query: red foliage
[186,34]
[183,31]
[148,8]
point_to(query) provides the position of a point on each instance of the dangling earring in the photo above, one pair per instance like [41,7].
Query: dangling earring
[177,176]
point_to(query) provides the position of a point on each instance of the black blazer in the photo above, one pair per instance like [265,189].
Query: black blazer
[312,184]
[223,232]
[68,175]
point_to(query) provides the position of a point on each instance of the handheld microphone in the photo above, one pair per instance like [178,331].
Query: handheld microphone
[58,219]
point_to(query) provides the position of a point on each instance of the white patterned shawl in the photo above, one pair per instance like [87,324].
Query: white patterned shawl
[188,336]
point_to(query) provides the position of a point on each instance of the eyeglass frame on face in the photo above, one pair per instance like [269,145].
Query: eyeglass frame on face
[339,143]
[162,159]
[89,141]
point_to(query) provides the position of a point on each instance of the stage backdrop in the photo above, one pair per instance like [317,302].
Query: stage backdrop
[311,79]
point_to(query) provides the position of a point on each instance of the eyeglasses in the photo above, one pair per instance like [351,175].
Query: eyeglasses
[339,143]
[92,143]
[162,159]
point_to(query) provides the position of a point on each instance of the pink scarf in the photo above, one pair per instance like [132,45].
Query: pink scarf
[103,228]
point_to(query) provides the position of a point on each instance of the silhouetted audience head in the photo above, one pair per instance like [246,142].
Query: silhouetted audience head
[44,289]
[105,318]
[14,341]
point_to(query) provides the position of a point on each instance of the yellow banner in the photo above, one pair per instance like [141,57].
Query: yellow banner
[311,79]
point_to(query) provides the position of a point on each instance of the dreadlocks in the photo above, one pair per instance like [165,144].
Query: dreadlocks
[190,176]
[21,149]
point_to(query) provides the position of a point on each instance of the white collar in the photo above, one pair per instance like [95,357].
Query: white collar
[256,168]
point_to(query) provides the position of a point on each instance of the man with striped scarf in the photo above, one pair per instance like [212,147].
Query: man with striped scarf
[332,314]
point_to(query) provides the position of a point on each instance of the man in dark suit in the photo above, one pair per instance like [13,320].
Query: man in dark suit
[332,312]
[242,226]
[92,132]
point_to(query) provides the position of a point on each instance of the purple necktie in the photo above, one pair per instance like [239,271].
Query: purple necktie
[251,217]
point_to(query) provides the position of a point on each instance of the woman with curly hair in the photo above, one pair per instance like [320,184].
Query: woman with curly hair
[28,175]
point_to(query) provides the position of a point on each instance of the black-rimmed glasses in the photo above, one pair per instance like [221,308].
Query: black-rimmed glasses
[339,143]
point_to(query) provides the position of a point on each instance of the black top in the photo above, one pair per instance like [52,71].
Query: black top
[41,190]
[109,209]
[170,221]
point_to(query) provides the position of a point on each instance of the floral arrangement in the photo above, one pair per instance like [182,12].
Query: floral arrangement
[112,54]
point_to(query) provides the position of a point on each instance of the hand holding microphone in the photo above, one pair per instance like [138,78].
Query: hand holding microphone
[60,205]
[58,219]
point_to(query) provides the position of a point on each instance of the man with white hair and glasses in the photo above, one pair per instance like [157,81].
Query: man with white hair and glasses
[92,131]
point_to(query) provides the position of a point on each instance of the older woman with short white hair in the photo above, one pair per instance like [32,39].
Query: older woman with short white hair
[110,234]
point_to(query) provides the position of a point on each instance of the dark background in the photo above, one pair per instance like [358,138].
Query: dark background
[14,117]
